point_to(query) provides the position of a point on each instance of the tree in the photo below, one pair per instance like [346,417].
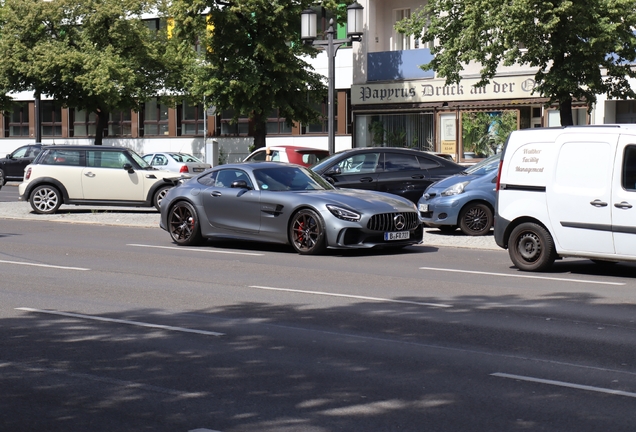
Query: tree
[93,55]
[249,60]
[580,48]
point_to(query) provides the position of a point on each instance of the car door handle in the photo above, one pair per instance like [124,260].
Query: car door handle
[623,205]
[216,194]
[598,203]
[366,179]
[89,174]
[417,176]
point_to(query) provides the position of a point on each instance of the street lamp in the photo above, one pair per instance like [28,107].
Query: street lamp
[308,28]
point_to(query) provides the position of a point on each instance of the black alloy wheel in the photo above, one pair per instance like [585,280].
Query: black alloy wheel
[475,219]
[183,224]
[307,232]
[531,247]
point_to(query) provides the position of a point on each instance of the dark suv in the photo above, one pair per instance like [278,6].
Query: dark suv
[12,167]
[400,171]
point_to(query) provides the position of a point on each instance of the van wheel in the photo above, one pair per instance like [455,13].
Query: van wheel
[475,219]
[531,247]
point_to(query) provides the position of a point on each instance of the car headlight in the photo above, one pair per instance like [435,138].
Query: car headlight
[455,189]
[343,213]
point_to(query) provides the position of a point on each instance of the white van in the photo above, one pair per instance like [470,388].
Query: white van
[565,192]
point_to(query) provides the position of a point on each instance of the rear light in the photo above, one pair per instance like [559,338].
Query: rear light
[499,174]
[184,169]
[27,175]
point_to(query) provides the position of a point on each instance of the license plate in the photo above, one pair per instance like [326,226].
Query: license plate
[423,208]
[403,235]
[197,169]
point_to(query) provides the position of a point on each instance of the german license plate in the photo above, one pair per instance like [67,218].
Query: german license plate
[423,208]
[197,169]
[403,235]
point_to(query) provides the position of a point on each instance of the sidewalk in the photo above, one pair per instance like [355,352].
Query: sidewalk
[149,218]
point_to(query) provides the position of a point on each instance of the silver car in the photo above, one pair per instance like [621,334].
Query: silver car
[289,204]
[182,163]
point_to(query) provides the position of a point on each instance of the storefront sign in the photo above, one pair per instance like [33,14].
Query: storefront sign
[437,91]
[449,147]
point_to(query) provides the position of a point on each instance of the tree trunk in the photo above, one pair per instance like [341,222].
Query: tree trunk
[102,124]
[260,131]
[565,110]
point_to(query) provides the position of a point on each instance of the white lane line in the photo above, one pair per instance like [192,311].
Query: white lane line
[196,250]
[523,276]
[565,384]
[43,265]
[377,299]
[119,321]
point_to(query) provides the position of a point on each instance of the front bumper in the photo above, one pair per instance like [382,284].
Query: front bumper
[441,210]
[357,238]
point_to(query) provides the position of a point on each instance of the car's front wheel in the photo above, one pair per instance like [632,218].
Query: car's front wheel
[3,178]
[159,196]
[531,247]
[45,199]
[475,219]
[307,232]
[183,224]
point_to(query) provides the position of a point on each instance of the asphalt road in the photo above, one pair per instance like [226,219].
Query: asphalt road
[107,328]
[9,192]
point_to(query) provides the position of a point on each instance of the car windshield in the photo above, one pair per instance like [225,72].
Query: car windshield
[142,163]
[290,178]
[485,166]
[182,157]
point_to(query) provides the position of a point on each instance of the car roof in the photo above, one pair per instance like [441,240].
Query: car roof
[83,147]
[292,147]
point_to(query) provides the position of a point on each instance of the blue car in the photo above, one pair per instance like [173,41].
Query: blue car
[465,200]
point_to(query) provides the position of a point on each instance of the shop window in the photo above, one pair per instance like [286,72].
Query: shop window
[411,130]
[192,119]
[155,118]
[484,133]
[18,120]
[277,125]
[229,126]
[579,117]
[51,119]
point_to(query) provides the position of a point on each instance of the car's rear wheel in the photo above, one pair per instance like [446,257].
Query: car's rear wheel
[307,232]
[183,224]
[475,219]
[3,178]
[531,247]
[159,195]
[45,199]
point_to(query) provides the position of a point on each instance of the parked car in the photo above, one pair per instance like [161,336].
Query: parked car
[305,156]
[182,163]
[466,200]
[92,175]
[289,204]
[400,171]
[12,167]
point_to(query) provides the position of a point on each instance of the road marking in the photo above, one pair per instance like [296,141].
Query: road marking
[523,276]
[120,321]
[565,384]
[196,250]
[378,299]
[43,265]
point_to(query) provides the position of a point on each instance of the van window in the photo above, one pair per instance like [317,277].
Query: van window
[629,168]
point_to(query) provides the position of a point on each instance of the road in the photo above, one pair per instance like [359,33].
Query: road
[9,192]
[115,329]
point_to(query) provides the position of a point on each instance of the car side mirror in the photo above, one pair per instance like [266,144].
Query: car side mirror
[128,167]
[240,184]
[333,171]
[9,156]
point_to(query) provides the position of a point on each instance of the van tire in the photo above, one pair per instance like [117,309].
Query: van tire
[531,247]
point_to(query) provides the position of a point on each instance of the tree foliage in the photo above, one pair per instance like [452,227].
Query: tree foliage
[94,55]
[250,60]
[580,48]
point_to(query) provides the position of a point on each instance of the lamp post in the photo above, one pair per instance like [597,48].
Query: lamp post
[308,26]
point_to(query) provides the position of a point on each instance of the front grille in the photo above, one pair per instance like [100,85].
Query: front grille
[386,221]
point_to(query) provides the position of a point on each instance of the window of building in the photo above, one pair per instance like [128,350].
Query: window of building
[414,130]
[84,123]
[322,125]
[401,41]
[229,126]
[579,117]
[192,119]
[120,124]
[277,125]
[155,118]
[51,119]
[18,120]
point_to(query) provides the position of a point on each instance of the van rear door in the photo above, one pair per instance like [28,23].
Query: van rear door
[623,203]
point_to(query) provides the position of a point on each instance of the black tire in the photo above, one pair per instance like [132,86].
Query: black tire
[447,229]
[183,224]
[45,199]
[159,195]
[475,219]
[3,178]
[531,247]
[307,232]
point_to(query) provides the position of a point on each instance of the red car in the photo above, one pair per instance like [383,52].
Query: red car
[305,156]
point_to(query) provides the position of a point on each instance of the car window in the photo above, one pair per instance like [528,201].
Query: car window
[62,157]
[20,152]
[106,159]
[183,157]
[159,160]
[427,163]
[310,158]
[259,156]
[629,168]
[226,177]
[288,178]
[148,157]
[33,151]
[208,179]
[359,163]
[400,162]
[275,156]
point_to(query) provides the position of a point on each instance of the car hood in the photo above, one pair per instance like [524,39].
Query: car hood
[452,180]
[359,199]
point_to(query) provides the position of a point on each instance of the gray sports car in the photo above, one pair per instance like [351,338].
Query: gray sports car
[283,203]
